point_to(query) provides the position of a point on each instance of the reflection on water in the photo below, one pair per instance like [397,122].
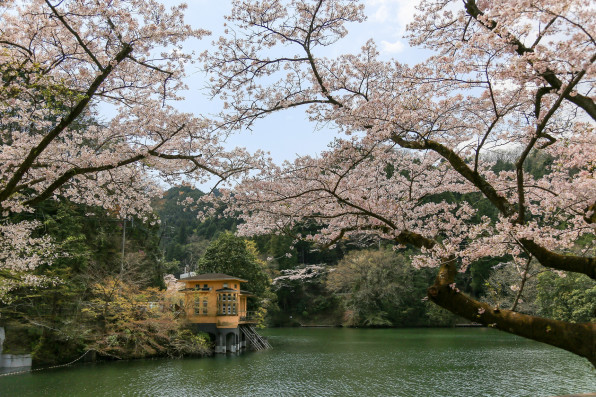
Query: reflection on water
[336,362]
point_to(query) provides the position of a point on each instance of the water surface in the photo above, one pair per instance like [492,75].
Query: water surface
[336,362]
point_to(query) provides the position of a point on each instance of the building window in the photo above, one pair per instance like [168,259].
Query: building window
[205,305]
[225,285]
[205,286]
[229,309]
[197,305]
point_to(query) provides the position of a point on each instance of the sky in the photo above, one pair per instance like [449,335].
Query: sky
[289,134]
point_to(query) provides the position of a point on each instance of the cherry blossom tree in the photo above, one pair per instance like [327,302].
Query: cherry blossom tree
[504,75]
[87,101]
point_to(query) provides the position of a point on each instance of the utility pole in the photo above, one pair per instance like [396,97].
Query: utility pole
[123,245]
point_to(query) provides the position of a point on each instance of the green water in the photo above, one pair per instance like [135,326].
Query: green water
[336,362]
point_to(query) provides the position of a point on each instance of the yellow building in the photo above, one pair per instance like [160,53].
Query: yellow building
[216,304]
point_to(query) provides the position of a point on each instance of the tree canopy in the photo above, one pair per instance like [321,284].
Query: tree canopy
[234,256]
[378,287]
[503,74]
[61,62]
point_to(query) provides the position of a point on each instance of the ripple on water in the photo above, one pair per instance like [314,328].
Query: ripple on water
[336,362]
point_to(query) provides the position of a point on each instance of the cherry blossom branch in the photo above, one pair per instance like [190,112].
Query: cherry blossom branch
[405,237]
[567,262]
[68,175]
[76,36]
[542,32]
[483,141]
[462,168]
[36,151]
[585,265]
[584,102]
[539,130]
[313,66]
[28,51]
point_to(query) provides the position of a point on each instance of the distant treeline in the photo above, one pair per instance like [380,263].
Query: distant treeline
[110,268]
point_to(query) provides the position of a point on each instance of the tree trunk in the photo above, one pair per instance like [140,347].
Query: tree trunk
[579,339]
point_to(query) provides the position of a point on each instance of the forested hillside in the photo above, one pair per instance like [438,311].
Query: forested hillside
[360,282]
[106,273]
[365,281]
[462,176]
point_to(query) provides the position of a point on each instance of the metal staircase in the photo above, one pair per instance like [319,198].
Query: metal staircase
[256,340]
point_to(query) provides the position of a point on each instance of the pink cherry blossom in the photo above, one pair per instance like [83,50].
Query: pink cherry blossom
[61,62]
[505,81]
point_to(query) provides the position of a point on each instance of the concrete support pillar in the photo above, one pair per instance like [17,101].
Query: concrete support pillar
[220,345]
[230,340]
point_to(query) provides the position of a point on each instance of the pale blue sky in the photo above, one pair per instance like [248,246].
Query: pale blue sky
[288,134]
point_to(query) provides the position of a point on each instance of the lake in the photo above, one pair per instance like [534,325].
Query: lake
[336,362]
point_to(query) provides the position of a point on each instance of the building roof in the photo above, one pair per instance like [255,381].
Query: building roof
[212,277]
[225,290]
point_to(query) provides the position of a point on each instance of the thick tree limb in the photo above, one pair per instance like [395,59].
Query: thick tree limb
[572,263]
[553,260]
[576,338]
[590,213]
[462,168]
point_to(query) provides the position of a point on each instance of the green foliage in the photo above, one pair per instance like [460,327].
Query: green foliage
[375,319]
[439,317]
[379,288]
[538,163]
[571,298]
[90,243]
[88,236]
[260,317]
[236,257]
[137,323]
[303,299]
[504,284]
[277,246]
[479,271]
[20,339]
[289,253]
[190,344]
[183,237]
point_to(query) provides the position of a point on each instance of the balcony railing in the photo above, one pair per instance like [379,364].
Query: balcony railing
[248,316]
[243,316]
